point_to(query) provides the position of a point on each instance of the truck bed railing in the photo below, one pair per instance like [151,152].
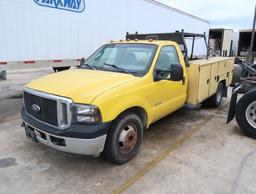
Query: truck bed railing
[178,37]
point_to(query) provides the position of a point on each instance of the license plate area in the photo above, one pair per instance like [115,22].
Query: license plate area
[37,135]
[30,133]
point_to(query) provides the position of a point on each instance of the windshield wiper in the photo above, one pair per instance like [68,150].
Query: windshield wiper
[88,65]
[117,67]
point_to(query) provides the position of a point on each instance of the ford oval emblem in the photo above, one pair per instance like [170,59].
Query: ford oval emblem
[36,108]
[67,5]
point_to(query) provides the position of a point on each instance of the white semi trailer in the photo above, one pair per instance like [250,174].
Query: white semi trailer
[59,32]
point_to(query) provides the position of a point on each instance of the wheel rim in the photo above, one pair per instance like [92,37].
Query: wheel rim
[219,94]
[127,139]
[251,114]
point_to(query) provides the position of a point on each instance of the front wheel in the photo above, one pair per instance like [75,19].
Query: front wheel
[124,138]
[246,114]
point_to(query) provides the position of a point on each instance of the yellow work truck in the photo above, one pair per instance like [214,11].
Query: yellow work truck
[105,104]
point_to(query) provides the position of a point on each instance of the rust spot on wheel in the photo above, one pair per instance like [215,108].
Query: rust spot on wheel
[128,138]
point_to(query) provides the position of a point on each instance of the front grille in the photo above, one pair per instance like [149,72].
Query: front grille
[48,108]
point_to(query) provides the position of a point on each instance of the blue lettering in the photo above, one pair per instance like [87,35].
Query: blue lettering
[45,1]
[67,3]
[78,3]
[57,3]
[60,3]
[73,4]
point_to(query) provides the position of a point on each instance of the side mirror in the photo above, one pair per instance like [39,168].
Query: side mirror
[82,61]
[177,72]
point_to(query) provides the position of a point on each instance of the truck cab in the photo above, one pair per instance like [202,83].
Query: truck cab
[105,104]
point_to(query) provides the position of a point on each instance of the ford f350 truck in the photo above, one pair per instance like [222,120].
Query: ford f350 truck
[104,105]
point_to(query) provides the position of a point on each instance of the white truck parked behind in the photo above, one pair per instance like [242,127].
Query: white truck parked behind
[44,33]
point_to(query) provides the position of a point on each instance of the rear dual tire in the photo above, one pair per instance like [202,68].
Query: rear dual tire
[216,99]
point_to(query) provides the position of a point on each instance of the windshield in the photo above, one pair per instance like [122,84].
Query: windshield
[125,58]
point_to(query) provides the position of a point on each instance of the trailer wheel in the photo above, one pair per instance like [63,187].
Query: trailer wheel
[216,99]
[124,138]
[246,114]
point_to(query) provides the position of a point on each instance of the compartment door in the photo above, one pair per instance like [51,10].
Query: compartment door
[214,79]
[222,68]
[231,71]
[204,82]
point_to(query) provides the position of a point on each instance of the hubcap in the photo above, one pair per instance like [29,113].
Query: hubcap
[251,114]
[127,139]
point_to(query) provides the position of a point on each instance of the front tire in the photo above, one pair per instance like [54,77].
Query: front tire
[246,114]
[124,138]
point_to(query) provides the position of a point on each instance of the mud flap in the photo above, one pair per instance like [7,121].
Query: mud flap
[232,105]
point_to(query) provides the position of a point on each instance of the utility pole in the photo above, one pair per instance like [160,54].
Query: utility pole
[250,58]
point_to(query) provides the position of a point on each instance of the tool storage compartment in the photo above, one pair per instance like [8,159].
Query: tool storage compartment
[204,76]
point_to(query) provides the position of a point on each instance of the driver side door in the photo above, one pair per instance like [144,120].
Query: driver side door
[167,95]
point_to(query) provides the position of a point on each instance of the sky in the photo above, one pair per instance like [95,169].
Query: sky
[232,14]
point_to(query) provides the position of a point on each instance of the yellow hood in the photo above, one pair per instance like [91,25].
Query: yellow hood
[81,85]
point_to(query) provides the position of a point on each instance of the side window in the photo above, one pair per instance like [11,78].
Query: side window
[168,56]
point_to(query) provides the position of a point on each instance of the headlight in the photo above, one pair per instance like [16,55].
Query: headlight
[86,113]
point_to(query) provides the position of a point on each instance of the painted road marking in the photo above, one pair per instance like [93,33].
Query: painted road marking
[163,155]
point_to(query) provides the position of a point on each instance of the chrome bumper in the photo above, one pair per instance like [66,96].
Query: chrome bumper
[91,147]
